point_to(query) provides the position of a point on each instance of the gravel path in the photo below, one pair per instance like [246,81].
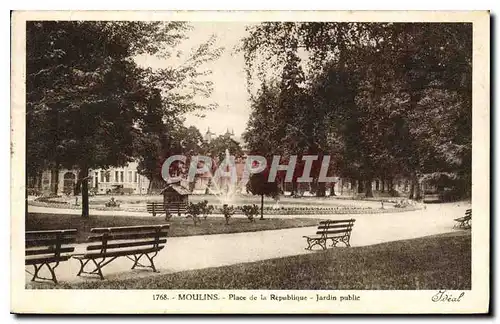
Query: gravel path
[197,252]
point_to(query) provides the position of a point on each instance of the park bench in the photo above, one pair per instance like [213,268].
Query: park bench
[334,230]
[155,208]
[158,208]
[132,242]
[465,221]
[48,248]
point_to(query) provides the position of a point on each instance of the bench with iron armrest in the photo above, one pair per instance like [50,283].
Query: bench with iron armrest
[48,248]
[132,242]
[465,221]
[334,230]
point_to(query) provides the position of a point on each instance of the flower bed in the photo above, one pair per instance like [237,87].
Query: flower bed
[50,200]
[392,208]
[53,204]
[327,210]
[65,205]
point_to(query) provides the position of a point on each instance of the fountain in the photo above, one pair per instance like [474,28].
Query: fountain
[224,184]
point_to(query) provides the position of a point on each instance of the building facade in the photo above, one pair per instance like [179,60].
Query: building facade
[124,180]
[119,180]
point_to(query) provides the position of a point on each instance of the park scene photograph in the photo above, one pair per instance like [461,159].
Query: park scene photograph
[259,155]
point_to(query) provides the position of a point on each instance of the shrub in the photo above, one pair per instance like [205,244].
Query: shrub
[112,203]
[194,211]
[227,211]
[250,211]
[205,208]
[402,204]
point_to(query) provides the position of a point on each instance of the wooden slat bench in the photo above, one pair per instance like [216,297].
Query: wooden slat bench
[177,208]
[465,221]
[334,230]
[155,208]
[132,242]
[173,208]
[48,248]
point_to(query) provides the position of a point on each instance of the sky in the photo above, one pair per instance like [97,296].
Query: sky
[228,75]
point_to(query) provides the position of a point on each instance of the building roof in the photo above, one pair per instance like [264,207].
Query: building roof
[177,188]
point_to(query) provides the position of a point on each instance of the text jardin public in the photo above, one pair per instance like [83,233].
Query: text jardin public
[271,297]
[253,164]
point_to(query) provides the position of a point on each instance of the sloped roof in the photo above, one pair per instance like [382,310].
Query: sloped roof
[177,188]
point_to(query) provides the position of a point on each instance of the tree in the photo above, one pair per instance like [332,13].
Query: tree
[83,83]
[261,127]
[218,146]
[372,83]
[71,88]
[258,184]
[155,145]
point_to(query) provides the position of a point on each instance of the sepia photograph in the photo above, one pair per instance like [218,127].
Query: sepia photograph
[232,161]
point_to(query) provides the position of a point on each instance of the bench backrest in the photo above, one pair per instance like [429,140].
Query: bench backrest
[156,206]
[49,244]
[173,207]
[331,227]
[468,213]
[128,238]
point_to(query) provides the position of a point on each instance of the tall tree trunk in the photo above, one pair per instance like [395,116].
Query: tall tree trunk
[54,179]
[261,206]
[294,187]
[418,191]
[150,186]
[84,177]
[38,180]
[321,189]
[77,188]
[369,191]
[382,185]
[332,189]
[360,186]
[412,188]
[390,188]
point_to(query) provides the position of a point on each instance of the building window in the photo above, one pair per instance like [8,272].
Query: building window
[116,176]
[102,176]
[130,176]
[121,176]
[135,176]
[107,176]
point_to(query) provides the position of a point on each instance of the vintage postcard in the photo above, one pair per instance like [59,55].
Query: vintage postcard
[250,162]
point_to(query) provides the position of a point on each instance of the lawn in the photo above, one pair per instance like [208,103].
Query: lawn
[179,226]
[433,262]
